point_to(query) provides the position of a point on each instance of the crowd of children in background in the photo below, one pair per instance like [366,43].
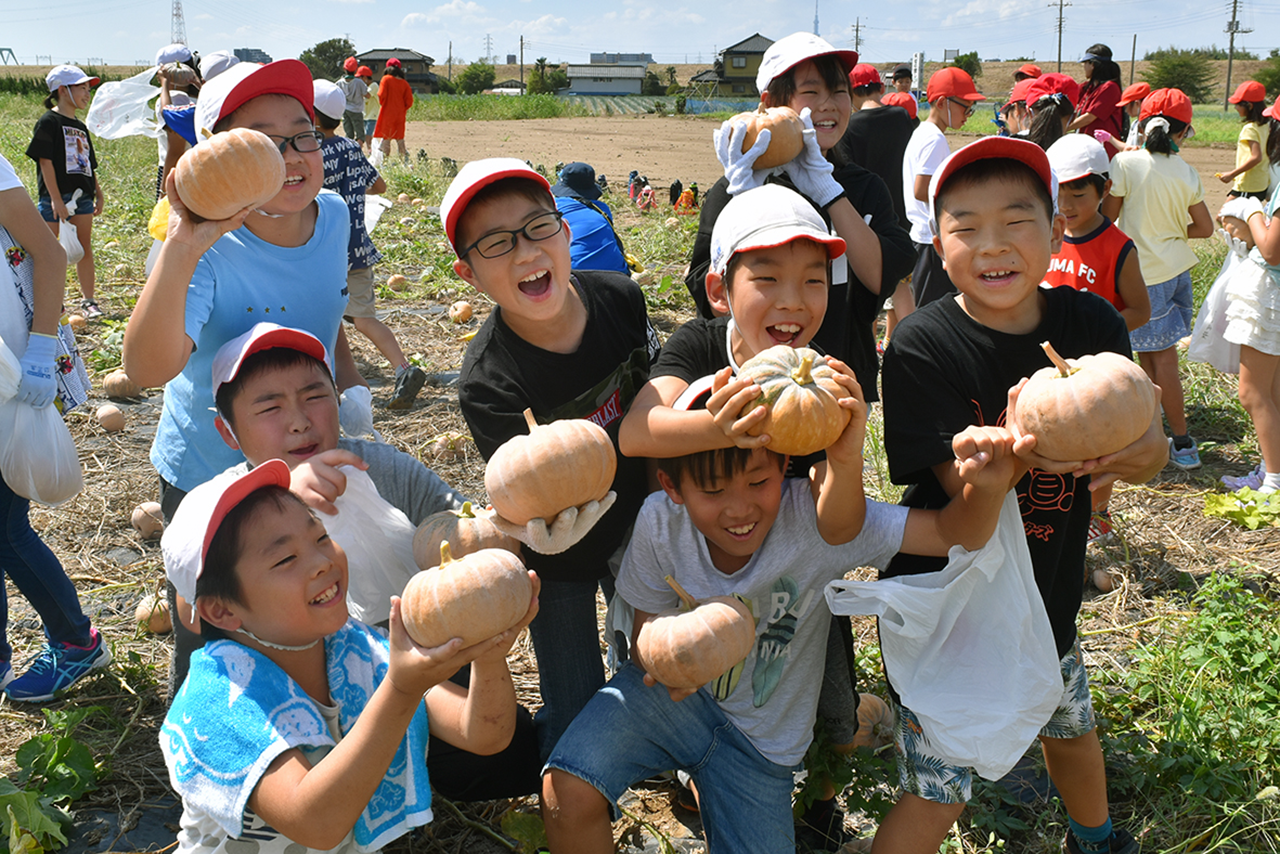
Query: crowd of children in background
[298,726]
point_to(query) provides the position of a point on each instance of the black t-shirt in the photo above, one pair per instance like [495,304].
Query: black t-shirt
[502,375]
[943,372]
[65,142]
[877,140]
[846,331]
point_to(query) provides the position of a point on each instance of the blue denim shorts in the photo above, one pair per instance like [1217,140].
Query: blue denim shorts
[1172,310]
[83,206]
[630,732]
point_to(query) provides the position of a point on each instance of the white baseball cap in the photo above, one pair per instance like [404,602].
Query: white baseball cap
[175,52]
[66,75]
[213,64]
[786,53]
[329,99]
[765,217]
[263,336]
[244,81]
[474,177]
[186,539]
[1078,155]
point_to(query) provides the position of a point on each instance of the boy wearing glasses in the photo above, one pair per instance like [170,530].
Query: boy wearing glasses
[564,345]
[951,96]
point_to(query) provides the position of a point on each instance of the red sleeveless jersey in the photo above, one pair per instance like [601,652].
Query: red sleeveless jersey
[1092,263]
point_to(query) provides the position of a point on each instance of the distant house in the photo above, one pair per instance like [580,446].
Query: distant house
[252,54]
[605,79]
[621,59]
[736,68]
[510,86]
[416,67]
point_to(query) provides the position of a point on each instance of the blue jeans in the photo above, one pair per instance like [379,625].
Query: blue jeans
[36,572]
[629,732]
[84,205]
[369,125]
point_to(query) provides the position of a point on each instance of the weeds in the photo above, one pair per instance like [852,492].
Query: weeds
[54,769]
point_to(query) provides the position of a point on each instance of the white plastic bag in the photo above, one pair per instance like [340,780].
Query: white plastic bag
[969,648]
[1207,343]
[10,372]
[37,454]
[378,540]
[373,207]
[67,234]
[375,155]
[120,108]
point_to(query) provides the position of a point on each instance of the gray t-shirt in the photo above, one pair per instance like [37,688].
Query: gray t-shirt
[774,698]
[354,90]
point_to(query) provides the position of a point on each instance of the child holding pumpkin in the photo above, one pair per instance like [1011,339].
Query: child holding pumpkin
[298,727]
[952,364]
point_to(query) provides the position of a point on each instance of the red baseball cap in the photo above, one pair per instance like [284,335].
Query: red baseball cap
[993,148]
[474,177]
[1273,111]
[1136,92]
[1171,103]
[393,63]
[350,65]
[865,75]
[902,99]
[364,71]
[1019,91]
[1249,90]
[952,82]
[1030,70]
[244,81]
[1048,85]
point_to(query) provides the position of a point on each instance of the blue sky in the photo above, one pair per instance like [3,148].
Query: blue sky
[122,31]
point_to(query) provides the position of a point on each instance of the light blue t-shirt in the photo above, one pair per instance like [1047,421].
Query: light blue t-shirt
[240,281]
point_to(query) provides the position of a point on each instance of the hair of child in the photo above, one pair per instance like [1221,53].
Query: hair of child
[1253,111]
[1160,131]
[993,169]
[327,123]
[1046,122]
[1104,68]
[51,100]
[394,71]
[706,467]
[868,90]
[1273,142]
[524,188]
[256,364]
[1098,182]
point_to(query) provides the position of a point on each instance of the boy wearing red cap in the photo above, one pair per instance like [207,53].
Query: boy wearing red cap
[950,365]
[355,91]
[1251,175]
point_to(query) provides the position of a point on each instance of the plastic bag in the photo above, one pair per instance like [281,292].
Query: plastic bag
[373,207]
[1207,343]
[37,454]
[67,234]
[120,108]
[969,648]
[10,372]
[378,540]
[376,155]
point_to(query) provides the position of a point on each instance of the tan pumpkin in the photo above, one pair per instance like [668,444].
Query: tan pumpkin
[690,646]
[474,597]
[153,613]
[397,282]
[111,418]
[875,722]
[786,134]
[460,311]
[229,171]
[1086,408]
[78,322]
[463,529]
[148,520]
[802,396]
[119,386]
[557,466]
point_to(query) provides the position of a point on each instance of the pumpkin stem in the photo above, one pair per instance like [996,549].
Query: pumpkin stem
[530,420]
[803,374]
[446,556]
[1058,361]
[466,512]
[689,601]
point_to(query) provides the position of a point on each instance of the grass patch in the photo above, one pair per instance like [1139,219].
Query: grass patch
[463,108]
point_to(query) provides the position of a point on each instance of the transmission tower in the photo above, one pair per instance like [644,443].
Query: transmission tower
[488,48]
[1232,29]
[815,18]
[178,29]
[1060,4]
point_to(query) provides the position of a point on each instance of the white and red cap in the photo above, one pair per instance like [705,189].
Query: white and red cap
[264,336]
[474,177]
[1077,155]
[768,216]
[993,148]
[244,81]
[329,99]
[185,543]
[788,52]
[67,75]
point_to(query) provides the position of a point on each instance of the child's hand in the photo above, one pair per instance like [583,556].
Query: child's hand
[414,669]
[188,228]
[1024,445]
[730,408]
[508,638]
[848,448]
[985,456]
[60,210]
[1226,179]
[99,200]
[738,164]
[319,483]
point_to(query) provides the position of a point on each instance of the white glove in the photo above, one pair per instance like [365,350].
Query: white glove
[565,530]
[355,413]
[38,385]
[1234,244]
[1242,207]
[738,165]
[810,171]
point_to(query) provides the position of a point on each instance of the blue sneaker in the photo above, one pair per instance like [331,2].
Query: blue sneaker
[6,674]
[57,667]
[1252,480]
[1185,458]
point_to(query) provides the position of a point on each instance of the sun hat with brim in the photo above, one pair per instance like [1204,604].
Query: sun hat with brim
[788,52]
[176,52]
[67,75]
[244,81]
[952,82]
[992,148]
[1170,103]
[768,216]
[1095,57]
[1249,90]
[865,75]
[264,336]
[474,177]
[1030,70]
[1136,92]
[329,99]
[1077,155]
[186,539]
[1048,85]
[902,99]
[577,180]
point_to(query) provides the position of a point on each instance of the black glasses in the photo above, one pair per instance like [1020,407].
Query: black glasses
[499,243]
[303,143]
[968,105]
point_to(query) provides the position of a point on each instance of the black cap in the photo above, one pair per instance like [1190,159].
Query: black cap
[903,70]
[577,180]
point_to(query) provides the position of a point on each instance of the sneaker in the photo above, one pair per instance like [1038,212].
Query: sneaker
[1100,531]
[1121,842]
[6,674]
[408,384]
[1186,458]
[1252,480]
[90,308]
[57,667]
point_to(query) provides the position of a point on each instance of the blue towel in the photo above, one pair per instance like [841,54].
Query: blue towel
[237,711]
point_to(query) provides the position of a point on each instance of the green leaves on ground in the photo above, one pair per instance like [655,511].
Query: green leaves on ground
[53,770]
[1246,507]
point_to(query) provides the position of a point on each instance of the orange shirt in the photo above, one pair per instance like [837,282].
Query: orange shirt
[396,97]
[1092,263]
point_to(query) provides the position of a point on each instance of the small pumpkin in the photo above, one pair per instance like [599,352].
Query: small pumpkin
[786,134]
[179,75]
[803,398]
[148,520]
[473,597]
[1086,408]
[229,171]
[111,418]
[557,466]
[690,646]
[77,322]
[448,446]
[153,613]
[403,198]
[463,529]
[397,282]
[118,386]
[460,311]
[1103,580]
[875,722]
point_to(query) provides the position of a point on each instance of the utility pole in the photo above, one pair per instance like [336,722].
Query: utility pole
[1060,4]
[450,61]
[522,65]
[1232,28]
[1133,58]
[857,35]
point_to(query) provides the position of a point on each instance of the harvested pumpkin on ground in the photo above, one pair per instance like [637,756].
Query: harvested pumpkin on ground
[119,386]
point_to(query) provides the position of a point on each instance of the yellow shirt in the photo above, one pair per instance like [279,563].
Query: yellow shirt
[1257,178]
[1158,192]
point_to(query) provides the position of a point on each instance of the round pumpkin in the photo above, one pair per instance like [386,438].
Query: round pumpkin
[786,134]
[118,386]
[397,282]
[460,311]
[229,171]
[78,322]
[463,530]
[557,466]
[875,722]
[148,520]
[153,613]
[179,75]
[690,646]
[111,418]
[473,597]
[1086,408]
[803,398]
